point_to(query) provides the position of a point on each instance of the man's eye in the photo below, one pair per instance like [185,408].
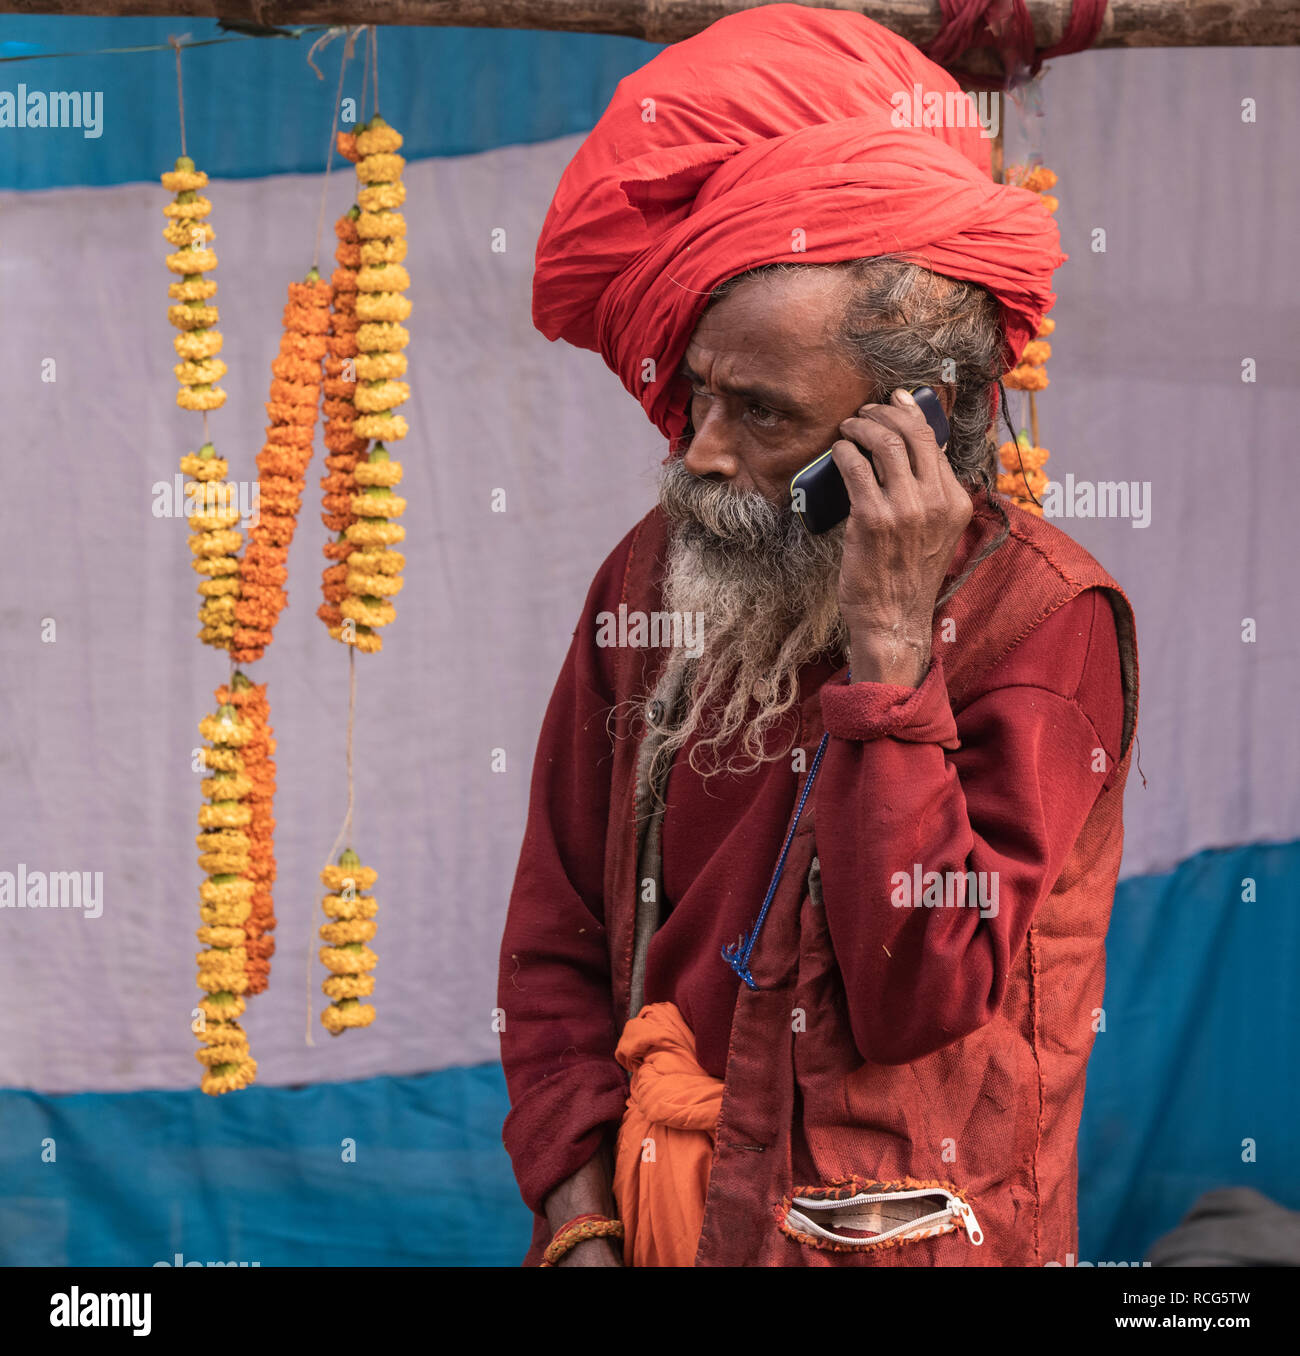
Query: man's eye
[763,415]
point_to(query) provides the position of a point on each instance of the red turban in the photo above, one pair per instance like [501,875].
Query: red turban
[768,137]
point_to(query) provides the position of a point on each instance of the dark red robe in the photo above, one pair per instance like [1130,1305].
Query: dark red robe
[927,1053]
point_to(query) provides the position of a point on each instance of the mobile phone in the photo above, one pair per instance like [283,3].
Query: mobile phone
[818,493]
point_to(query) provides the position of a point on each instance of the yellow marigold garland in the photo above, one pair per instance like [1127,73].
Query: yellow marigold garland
[214,542]
[359,501]
[346,955]
[249,700]
[373,571]
[380,281]
[225,902]
[199,341]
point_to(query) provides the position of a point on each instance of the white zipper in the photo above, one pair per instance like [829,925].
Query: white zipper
[955,1207]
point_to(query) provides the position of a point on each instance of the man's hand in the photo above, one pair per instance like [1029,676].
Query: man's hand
[906,521]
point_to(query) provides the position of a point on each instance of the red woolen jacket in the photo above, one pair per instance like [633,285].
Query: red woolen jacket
[904,1084]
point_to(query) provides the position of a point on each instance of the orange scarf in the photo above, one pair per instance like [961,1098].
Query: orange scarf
[665,1141]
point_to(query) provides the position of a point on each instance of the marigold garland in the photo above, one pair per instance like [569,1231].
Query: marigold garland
[359,503]
[373,571]
[347,338]
[344,448]
[199,341]
[1022,477]
[250,701]
[346,955]
[214,542]
[381,279]
[225,900]
[1025,487]
[282,465]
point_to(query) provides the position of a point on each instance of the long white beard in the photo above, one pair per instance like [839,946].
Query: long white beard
[766,589]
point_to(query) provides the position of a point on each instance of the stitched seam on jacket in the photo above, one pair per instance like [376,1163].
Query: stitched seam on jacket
[1125,630]
[1032,953]
[629,951]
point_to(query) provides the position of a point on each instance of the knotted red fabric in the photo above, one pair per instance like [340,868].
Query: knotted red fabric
[782,133]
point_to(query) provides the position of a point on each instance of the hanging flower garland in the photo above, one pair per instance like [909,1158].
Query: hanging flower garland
[224,903]
[347,339]
[1023,478]
[373,570]
[214,542]
[363,388]
[199,341]
[249,701]
[345,449]
[282,465]
[346,954]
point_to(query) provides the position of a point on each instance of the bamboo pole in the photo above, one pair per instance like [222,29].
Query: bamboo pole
[1128,23]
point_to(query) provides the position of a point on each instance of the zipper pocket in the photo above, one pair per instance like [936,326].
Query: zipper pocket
[955,1212]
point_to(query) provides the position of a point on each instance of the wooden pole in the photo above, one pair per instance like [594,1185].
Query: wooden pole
[1128,23]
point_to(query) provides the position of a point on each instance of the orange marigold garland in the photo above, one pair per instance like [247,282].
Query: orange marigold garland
[224,903]
[344,448]
[1030,374]
[193,313]
[1023,478]
[282,465]
[346,955]
[249,700]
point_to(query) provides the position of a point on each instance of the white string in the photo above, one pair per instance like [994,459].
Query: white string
[344,832]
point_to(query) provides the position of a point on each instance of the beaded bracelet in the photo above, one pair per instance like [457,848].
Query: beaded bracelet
[579,1230]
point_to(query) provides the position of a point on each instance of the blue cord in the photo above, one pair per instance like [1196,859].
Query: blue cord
[737,955]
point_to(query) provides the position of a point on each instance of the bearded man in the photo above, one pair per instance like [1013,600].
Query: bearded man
[807,933]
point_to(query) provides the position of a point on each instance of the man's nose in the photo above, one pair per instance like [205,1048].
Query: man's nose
[710,451]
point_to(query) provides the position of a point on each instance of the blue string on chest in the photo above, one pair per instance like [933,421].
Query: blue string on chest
[738,953]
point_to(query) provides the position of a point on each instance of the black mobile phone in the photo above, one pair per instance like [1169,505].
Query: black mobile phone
[818,494]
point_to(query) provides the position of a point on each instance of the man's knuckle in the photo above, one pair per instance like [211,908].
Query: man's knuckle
[894,444]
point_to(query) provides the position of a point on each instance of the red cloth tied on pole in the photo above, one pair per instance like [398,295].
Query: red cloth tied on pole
[782,133]
[1006,26]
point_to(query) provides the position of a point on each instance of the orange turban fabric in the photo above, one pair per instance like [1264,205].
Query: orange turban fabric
[771,136]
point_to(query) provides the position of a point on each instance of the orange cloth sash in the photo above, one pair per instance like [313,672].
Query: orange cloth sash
[665,1141]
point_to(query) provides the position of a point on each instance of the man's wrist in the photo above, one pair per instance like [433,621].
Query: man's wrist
[879,657]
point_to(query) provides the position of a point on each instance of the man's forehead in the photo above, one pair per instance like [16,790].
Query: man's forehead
[779,330]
